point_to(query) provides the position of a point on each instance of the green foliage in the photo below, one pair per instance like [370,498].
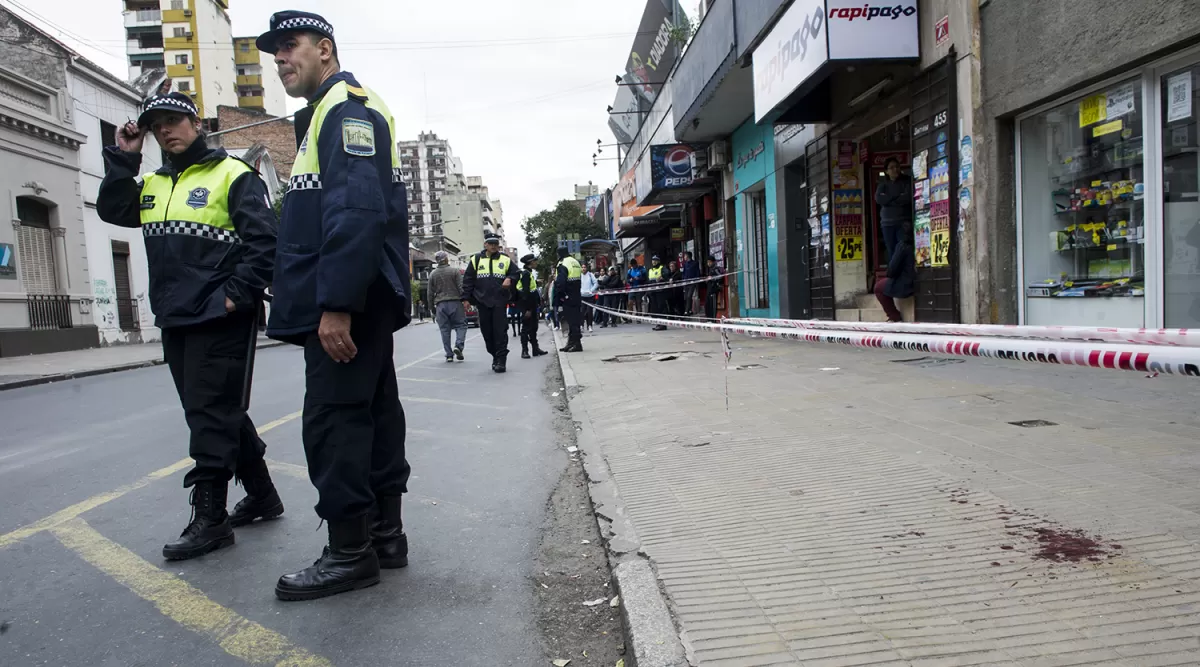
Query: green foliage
[683,31]
[542,231]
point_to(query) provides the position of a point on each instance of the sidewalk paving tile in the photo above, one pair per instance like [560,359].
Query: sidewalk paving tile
[884,513]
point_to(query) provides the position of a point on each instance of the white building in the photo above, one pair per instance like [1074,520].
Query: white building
[431,170]
[192,40]
[258,87]
[116,256]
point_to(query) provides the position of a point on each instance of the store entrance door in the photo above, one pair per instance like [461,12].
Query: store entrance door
[889,142]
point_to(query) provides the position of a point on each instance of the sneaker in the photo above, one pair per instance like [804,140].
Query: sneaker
[458,353]
[450,359]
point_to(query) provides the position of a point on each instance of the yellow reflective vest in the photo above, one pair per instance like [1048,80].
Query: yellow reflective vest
[656,274]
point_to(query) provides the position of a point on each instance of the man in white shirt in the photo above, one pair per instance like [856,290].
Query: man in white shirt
[587,289]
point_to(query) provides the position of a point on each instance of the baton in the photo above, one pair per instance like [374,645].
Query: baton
[251,349]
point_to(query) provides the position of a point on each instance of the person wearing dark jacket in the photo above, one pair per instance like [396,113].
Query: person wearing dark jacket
[612,301]
[528,300]
[713,287]
[489,277]
[341,292]
[894,196]
[210,243]
[901,275]
[568,285]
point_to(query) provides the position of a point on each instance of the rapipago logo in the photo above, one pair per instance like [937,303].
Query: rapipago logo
[869,11]
[678,165]
[792,49]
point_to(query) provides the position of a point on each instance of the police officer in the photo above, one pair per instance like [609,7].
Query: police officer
[528,300]
[340,291]
[488,277]
[210,243]
[658,298]
[567,284]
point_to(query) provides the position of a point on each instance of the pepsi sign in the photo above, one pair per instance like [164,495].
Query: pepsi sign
[673,166]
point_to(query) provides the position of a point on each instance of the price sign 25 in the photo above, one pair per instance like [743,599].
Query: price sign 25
[849,248]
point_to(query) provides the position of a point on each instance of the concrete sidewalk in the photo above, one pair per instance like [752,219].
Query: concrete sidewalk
[37,369]
[871,507]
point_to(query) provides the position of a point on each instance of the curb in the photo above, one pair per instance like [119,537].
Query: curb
[74,375]
[651,638]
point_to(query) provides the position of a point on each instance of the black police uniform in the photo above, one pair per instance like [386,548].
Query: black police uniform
[343,248]
[568,291]
[222,247]
[528,300]
[483,285]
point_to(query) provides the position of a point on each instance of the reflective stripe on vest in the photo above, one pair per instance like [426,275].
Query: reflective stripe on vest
[574,269]
[306,170]
[656,273]
[195,205]
[496,268]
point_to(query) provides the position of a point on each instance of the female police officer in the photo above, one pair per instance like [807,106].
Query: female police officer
[210,243]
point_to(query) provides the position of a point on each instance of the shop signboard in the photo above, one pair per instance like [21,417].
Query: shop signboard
[813,32]
[753,154]
[673,174]
[651,58]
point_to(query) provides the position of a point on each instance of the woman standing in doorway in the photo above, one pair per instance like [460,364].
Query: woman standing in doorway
[894,196]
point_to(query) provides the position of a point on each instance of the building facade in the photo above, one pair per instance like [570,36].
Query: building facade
[258,87]
[192,40]
[45,293]
[278,138]
[429,167]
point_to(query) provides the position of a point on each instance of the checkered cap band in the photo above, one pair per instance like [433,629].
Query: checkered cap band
[305,23]
[171,104]
[190,229]
[305,182]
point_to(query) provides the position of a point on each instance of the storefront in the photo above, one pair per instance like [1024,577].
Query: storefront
[1108,210]
[754,204]
[677,175]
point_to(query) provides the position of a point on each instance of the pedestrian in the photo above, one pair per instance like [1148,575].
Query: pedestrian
[691,271]
[587,293]
[528,300]
[445,290]
[713,287]
[613,301]
[635,277]
[657,276]
[209,231]
[490,274]
[567,284]
[341,291]
[894,197]
[675,294]
[900,282]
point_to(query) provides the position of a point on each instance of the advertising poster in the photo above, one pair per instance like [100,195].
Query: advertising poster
[848,225]
[919,166]
[1179,97]
[939,240]
[845,154]
[921,238]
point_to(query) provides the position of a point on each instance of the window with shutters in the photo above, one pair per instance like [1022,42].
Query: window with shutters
[108,137]
[35,245]
[126,308]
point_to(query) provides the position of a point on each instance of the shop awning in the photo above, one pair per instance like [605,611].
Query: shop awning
[646,221]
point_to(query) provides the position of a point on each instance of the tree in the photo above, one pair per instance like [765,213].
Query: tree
[543,230]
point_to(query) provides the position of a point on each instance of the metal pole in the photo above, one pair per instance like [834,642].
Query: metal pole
[256,124]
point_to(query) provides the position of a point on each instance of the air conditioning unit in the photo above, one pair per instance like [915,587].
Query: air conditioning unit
[718,155]
[188,34]
[187,12]
[191,67]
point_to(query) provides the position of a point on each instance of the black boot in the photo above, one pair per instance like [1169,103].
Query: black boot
[539,352]
[501,364]
[525,352]
[387,534]
[262,500]
[347,564]
[209,528]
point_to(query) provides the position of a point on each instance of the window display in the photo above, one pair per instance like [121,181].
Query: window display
[1083,212]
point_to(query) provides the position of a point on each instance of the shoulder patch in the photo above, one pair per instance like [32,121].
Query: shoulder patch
[358,137]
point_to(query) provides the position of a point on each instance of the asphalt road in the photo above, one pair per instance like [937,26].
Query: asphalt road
[88,585]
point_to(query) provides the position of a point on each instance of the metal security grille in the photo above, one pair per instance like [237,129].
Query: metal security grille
[36,246]
[934,123]
[820,250]
[127,316]
[756,288]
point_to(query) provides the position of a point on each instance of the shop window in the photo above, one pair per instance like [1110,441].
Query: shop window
[1181,199]
[757,292]
[1083,212]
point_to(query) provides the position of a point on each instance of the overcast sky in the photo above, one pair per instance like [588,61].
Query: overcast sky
[518,87]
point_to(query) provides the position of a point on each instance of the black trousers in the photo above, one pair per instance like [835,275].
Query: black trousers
[208,364]
[353,427]
[493,326]
[572,311]
[710,303]
[529,329]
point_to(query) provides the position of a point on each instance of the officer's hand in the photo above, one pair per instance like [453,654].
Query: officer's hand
[229,305]
[466,304]
[130,138]
[334,333]
[507,282]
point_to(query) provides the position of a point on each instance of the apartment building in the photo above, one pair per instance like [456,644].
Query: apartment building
[258,87]
[429,167]
[192,40]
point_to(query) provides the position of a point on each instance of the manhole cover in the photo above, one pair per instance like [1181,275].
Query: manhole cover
[1033,423]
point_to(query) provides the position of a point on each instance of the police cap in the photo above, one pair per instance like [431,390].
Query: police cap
[528,258]
[176,102]
[492,238]
[291,21]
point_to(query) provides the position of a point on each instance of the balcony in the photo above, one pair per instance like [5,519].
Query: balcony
[135,47]
[177,16]
[143,18]
[249,57]
[180,71]
[254,80]
[251,102]
[181,43]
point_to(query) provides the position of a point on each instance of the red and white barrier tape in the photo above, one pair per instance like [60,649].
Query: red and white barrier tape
[661,286]
[1176,337]
[1171,360]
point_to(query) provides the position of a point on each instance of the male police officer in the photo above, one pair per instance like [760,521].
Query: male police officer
[210,243]
[340,286]
[528,300]
[488,277]
[567,286]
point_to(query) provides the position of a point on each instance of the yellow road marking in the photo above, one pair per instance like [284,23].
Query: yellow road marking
[183,603]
